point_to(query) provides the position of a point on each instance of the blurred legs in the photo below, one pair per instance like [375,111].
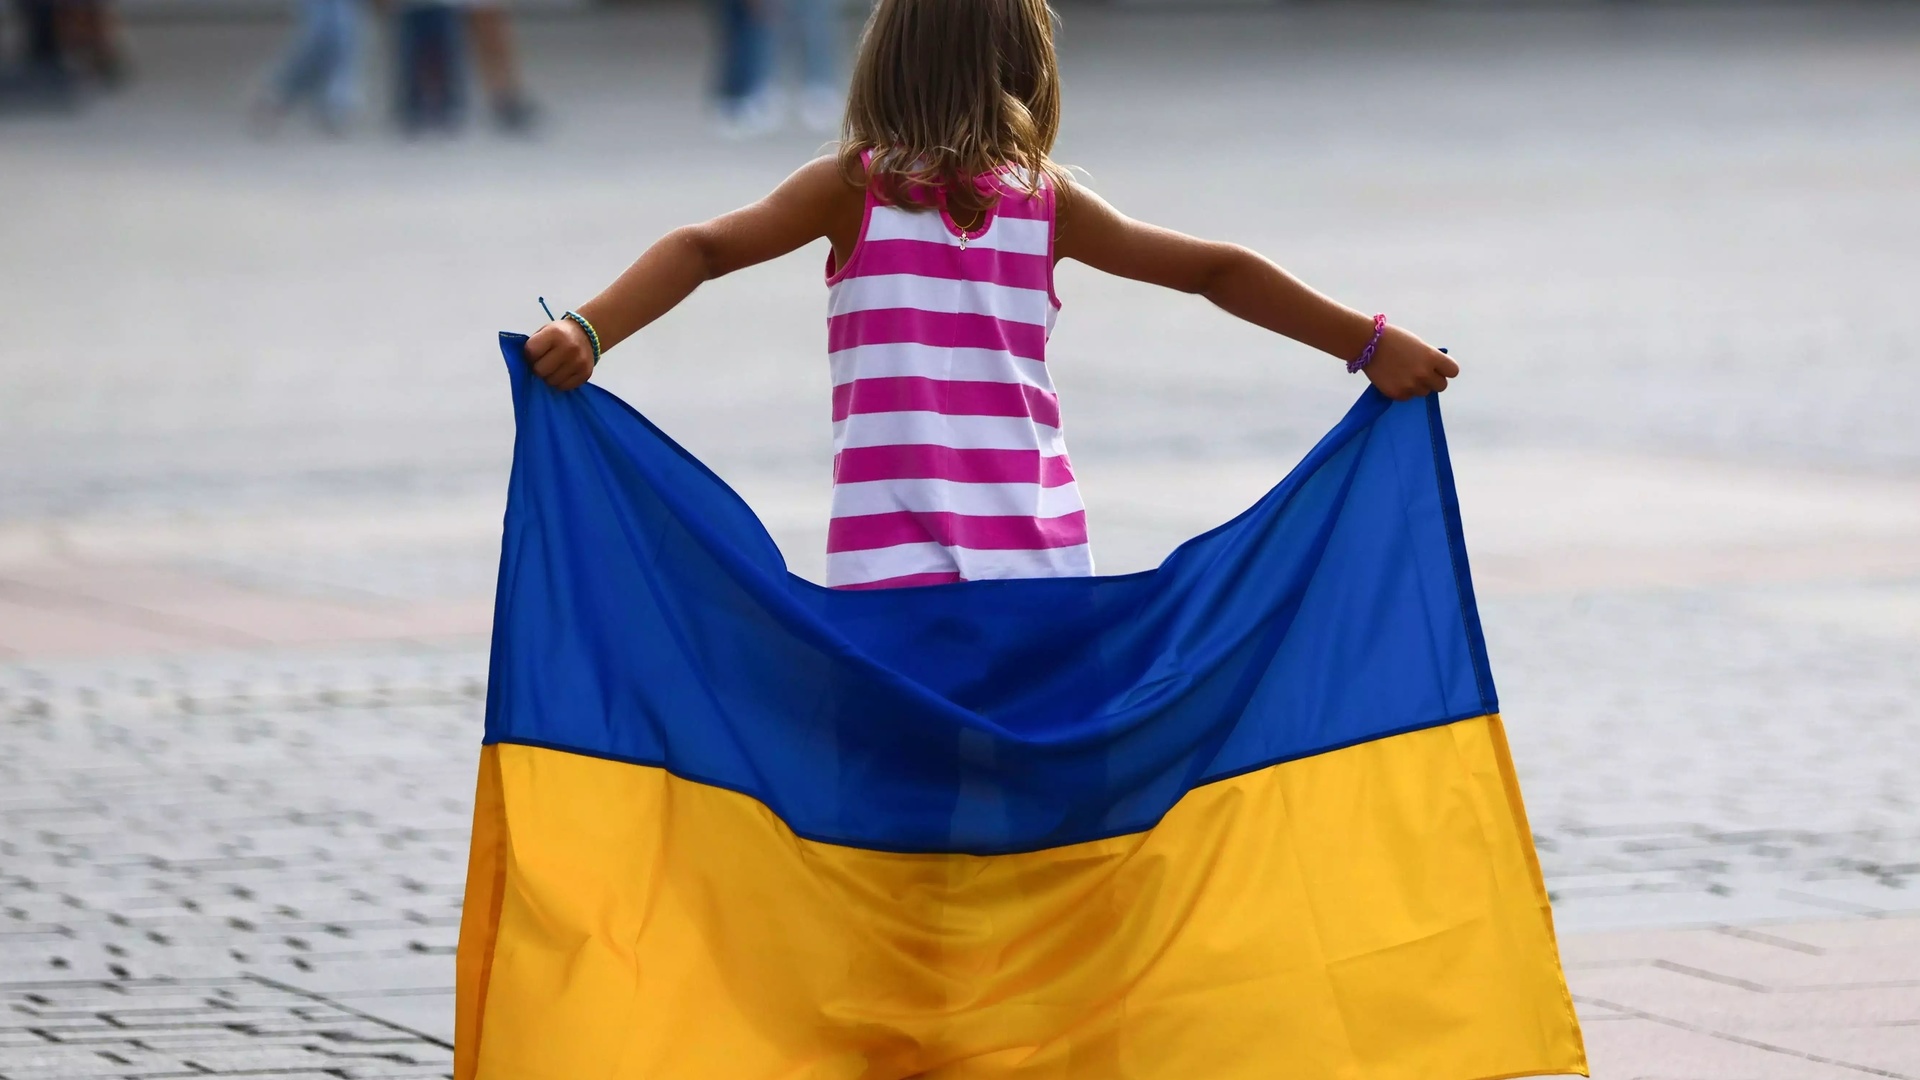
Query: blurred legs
[91,35]
[320,64]
[744,55]
[493,54]
[813,30]
[432,77]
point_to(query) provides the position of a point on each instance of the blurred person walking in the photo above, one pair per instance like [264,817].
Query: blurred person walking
[495,56]
[810,34]
[431,92]
[40,77]
[62,43]
[743,60]
[320,66]
[758,39]
[90,33]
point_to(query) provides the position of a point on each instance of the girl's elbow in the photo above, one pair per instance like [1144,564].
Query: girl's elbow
[700,248]
[1226,264]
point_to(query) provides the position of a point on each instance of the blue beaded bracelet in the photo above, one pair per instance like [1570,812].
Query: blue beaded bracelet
[592,334]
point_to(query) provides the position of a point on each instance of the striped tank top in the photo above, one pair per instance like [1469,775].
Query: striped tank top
[948,463]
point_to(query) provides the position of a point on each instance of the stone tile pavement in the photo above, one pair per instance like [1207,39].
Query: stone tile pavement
[232,1027]
[297,819]
[1797,1001]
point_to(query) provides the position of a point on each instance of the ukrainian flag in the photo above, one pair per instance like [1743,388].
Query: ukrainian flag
[1250,814]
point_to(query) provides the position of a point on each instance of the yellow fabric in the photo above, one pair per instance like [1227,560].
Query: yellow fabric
[1372,912]
[479,913]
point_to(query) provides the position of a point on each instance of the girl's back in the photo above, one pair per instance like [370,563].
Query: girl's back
[949,463]
[946,214]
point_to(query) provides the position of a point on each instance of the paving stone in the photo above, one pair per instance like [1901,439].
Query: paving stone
[1894,935]
[222,1026]
[1709,1000]
[1893,1048]
[1650,1050]
[61,1062]
[1775,957]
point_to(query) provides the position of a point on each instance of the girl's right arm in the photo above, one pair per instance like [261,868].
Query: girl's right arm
[814,202]
[1243,283]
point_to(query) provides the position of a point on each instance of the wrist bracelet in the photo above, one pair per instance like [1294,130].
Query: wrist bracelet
[594,335]
[1365,357]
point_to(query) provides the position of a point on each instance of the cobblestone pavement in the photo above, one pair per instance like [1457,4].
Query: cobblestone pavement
[247,533]
[67,1030]
[298,818]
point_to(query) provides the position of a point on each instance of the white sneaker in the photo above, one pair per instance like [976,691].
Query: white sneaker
[821,110]
[760,114]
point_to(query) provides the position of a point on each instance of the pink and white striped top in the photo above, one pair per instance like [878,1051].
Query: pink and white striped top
[948,461]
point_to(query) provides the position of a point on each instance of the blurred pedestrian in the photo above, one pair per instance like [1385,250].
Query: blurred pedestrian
[40,78]
[810,33]
[743,91]
[90,33]
[431,91]
[320,66]
[494,55]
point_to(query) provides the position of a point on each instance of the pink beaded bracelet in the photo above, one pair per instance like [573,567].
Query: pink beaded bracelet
[1366,354]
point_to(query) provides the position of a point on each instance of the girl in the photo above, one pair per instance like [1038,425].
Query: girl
[946,217]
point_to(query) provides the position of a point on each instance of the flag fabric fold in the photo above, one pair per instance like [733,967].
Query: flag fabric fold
[1249,814]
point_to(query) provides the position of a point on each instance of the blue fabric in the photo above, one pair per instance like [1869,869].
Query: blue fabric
[645,615]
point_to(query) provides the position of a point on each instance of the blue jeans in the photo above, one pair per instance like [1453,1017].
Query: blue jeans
[813,26]
[322,61]
[433,74]
[745,50]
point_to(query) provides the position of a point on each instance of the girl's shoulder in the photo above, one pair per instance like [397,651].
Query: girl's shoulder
[833,200]
[825,186]
[829,175]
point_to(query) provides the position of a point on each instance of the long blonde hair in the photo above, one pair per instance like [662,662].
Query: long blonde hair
[945,91]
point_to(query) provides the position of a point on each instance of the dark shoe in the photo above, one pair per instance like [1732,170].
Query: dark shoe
[516,116]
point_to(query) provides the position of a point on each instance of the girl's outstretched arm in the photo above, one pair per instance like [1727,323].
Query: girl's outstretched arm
[1243,283]
[814,202]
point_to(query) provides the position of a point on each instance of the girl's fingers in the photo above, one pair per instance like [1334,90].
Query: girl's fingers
[550,366]
[566,376]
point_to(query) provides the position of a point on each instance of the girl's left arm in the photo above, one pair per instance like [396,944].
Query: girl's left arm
[1243,283]
[815,201]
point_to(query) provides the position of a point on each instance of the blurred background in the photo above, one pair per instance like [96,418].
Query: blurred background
[254,433]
